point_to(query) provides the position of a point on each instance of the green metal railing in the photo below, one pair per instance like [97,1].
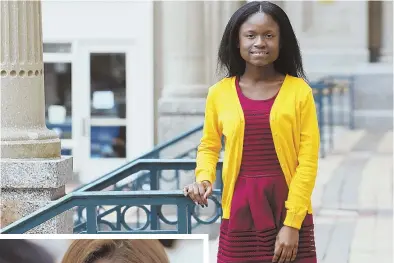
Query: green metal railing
[141,180]
[91,201]
[325,91]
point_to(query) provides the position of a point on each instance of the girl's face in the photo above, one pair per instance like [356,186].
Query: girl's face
[259,40]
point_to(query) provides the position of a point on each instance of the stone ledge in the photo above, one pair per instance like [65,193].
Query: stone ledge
[36,173]
[13,210]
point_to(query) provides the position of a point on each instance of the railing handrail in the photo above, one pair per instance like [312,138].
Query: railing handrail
[140,165]
[149,154]
[94,199]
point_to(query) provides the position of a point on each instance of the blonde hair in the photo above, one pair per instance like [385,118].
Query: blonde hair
[116,250]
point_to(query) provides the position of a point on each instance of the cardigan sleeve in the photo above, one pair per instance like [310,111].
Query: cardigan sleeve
[210,145]
[301,186]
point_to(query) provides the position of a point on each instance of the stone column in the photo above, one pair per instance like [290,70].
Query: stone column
[190,35]
[387,32]
[183,67]
[32,171]
[332,34]
[216,16]
[183,48]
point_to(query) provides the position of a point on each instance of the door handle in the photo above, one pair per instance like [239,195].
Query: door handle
[85,127]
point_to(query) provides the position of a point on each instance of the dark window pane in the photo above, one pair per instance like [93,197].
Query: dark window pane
[108,142]
[108,85]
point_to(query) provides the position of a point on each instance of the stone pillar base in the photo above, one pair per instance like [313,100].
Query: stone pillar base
[178,115]
[30,184]
[387,58]
[28,143]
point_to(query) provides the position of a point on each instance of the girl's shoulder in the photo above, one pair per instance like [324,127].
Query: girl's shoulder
[298,85]
[223,84]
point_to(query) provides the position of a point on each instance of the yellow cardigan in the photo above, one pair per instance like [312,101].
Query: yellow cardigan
[295,130]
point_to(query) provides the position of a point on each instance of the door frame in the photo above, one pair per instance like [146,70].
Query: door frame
[139,99]
[66,58]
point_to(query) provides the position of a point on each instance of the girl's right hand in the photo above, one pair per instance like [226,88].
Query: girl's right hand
[198,192]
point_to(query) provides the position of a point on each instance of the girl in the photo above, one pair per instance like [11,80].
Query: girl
[266,112]
[115,251]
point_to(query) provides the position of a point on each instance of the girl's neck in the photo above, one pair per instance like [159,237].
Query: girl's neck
[257,74]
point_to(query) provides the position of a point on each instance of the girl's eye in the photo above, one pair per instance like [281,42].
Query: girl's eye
[269,36]
[249,36]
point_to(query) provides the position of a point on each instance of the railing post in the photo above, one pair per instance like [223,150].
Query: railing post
[189,218]
[351,100]
[154,212]
[331,116]
[177,179]
[341,101]
[184,219]
[118,216]
[91,219]
[219,180]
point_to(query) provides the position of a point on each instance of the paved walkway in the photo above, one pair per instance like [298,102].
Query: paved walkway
[353,200]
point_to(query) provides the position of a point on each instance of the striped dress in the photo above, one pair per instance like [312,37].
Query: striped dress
[257,209]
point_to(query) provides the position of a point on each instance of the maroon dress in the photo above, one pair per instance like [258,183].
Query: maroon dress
[257,208]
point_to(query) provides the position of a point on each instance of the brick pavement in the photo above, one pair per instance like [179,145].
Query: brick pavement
[353,200]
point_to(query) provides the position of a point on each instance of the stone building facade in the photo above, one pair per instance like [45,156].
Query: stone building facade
[336,38]
[158,59]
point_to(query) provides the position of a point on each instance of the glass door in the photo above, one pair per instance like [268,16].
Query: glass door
[103,88]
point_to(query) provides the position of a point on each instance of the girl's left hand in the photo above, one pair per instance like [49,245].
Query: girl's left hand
[286,245]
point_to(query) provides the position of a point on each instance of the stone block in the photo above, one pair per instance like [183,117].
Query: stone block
[30,184]
[35,173]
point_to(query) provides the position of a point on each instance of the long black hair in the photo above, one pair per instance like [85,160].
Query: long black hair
[289,60]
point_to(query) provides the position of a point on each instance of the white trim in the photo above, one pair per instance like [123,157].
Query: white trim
[71,144]
[58,57]
[107,122]
[67,144]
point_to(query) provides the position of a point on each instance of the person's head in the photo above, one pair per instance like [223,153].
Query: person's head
[115,251]
[259,34]
[14,250]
